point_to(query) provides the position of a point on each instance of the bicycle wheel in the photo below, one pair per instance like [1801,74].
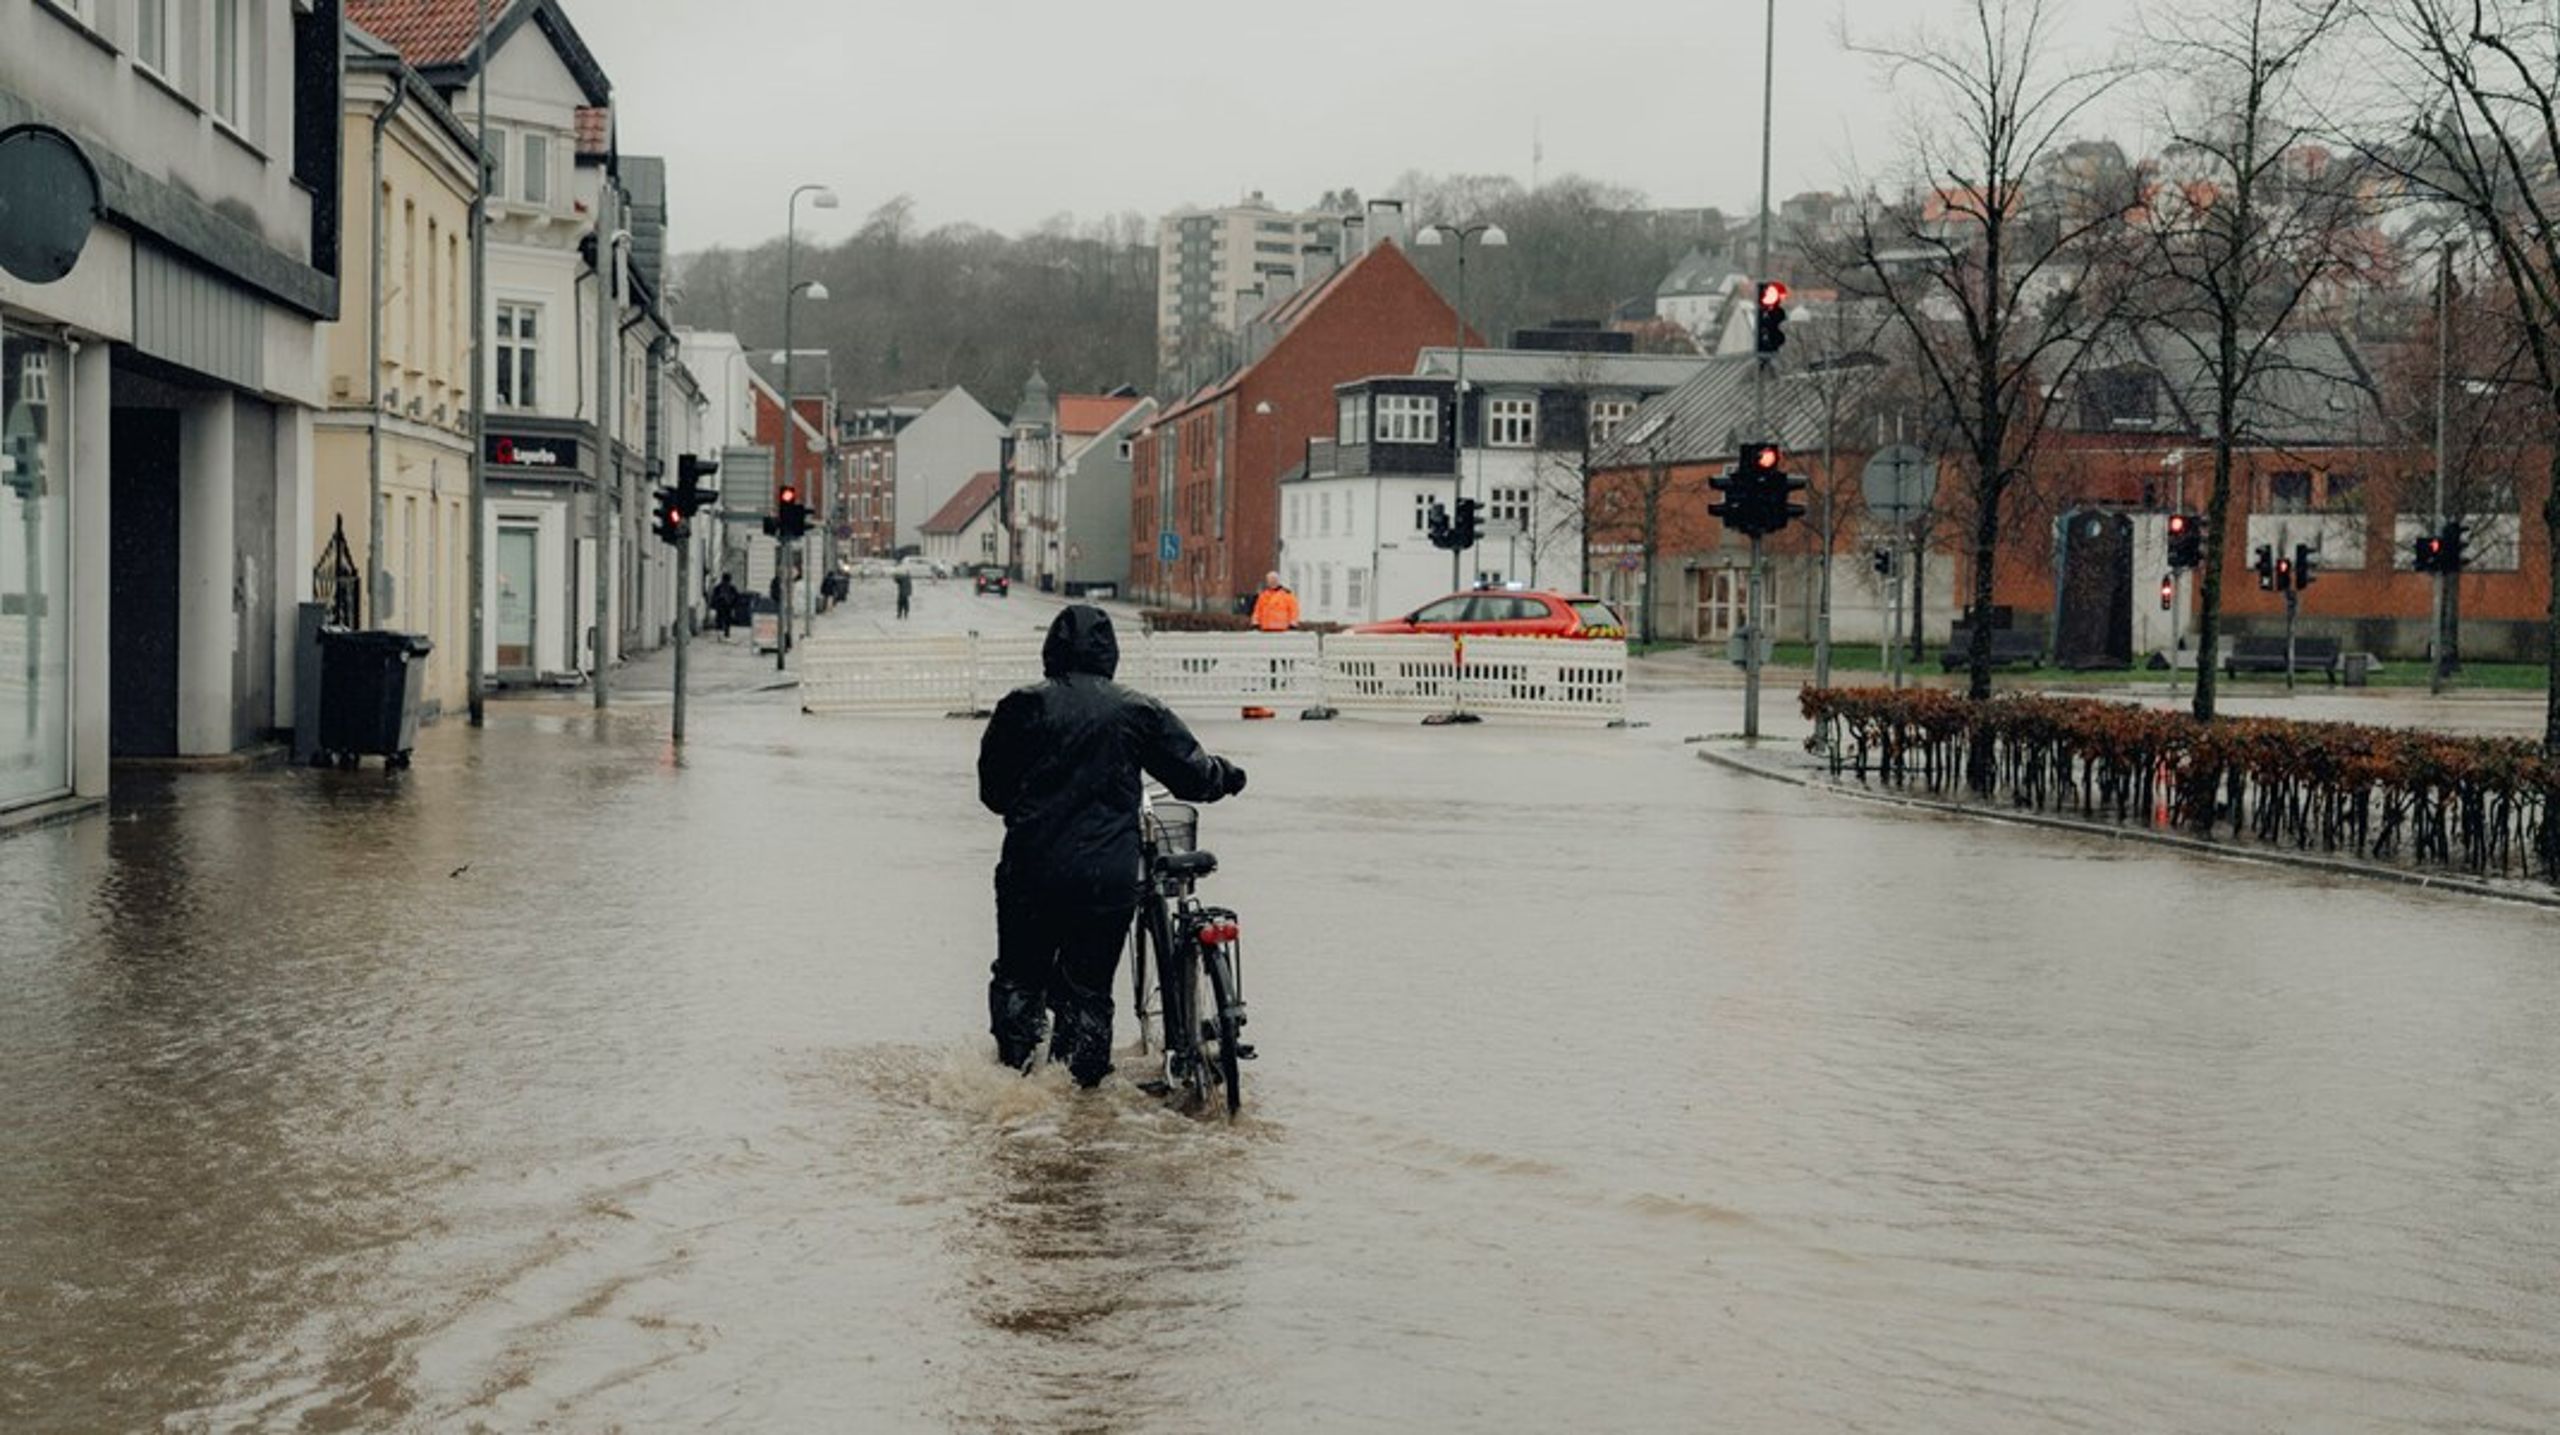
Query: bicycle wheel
[1222,990]
[1178,977]
[1149,914]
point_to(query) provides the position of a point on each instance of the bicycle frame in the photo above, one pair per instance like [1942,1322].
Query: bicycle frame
[1194,943]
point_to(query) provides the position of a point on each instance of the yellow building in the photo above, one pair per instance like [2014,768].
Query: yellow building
[409,169]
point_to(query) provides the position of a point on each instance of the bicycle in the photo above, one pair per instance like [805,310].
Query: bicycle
[1195,946]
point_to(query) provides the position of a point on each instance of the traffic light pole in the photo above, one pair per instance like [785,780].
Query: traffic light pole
[2441,668]
[1760,378]
[685,587]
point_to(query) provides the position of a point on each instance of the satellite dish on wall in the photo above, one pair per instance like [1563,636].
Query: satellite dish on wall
[48,203]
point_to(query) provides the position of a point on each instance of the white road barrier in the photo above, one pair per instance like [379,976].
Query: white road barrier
[1421,675]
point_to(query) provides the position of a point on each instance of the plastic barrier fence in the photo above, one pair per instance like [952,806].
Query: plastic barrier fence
[1535,679]
[888,675]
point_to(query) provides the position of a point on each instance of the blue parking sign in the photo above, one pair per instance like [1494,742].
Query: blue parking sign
[1168,545]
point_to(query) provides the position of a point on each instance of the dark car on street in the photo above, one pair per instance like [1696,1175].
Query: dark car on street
[992,580]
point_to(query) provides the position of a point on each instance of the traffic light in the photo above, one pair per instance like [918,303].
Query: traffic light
[1757,492]
[1437,524]
[790,515]
[2186,540]
[1771,333]
[1462,533]
[1881,560]
[2456,546]
[2306,566]
[24,471]
[671,517]
[2168,591]
[2266,568]
[2284,575]
[2426,553]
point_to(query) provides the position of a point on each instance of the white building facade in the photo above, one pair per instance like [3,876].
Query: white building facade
[156,399]
[1355,519]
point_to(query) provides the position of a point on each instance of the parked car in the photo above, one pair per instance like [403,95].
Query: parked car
[1509,613]
[992,580]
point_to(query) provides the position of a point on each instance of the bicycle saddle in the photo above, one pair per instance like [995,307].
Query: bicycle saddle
[1188,864]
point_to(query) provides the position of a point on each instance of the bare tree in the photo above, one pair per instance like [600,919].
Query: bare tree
[2244,224]
[2483,80]
[1991,265]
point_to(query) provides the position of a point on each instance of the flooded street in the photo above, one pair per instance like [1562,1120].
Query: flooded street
[564,1083]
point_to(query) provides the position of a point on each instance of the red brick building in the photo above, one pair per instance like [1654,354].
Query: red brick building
[1208,470]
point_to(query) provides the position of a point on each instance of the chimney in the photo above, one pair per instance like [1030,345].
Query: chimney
[1278,283]
[1386,222]
[1355,237]
[1315,263]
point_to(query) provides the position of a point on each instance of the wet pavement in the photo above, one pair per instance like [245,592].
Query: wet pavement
[570,1082]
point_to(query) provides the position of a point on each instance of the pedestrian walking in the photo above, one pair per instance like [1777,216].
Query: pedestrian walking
[1061,761]
[724,605]
[906,591]
[1275,609]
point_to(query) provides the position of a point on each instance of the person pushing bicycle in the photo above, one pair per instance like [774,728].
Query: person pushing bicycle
[1060,762]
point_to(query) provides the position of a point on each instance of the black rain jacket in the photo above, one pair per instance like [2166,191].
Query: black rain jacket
[1060,762]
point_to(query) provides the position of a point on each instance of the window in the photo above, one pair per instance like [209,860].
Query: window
[1408,418]
[2341,490]
[151,35]
[409,281]
[1345,430]
[1422,512]
[1324,586]
[537,168]
[1447,610]
[435,297]
[519,348]
[1606,415]
[2288,492]
[227,53]
[1509,505]
[1324,514]
[1512,423]
[1355,589]
[1124,448]
[496,142]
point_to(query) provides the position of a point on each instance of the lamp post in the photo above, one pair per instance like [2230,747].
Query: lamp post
[1432,236]
[823,198]
[815,291]
[478,667]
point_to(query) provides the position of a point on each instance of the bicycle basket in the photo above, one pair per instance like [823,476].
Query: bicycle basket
[1168,827]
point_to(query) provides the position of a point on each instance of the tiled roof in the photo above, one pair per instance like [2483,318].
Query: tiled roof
[425,32]
[972,500]
[1090,413]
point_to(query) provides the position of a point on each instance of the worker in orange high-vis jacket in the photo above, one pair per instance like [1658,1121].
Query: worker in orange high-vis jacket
[1275,610]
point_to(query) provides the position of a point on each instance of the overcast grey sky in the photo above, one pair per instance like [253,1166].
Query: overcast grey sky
[1005,112]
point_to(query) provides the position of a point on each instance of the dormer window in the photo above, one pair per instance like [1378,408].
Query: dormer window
[1408,418]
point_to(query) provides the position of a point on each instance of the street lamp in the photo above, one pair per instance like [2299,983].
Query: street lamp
[820,197]
[1487,236]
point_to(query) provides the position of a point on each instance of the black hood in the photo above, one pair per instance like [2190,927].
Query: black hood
[1081,641]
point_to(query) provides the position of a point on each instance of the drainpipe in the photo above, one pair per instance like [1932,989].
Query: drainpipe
[382,119]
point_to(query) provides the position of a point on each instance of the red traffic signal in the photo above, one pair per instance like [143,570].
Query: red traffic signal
[2168,593]
[789,494]
[1769,334]
[1763,457]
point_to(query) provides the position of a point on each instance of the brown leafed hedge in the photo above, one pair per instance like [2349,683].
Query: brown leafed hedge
[2487,806]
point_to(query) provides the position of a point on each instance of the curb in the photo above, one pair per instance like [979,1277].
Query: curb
[2299,861]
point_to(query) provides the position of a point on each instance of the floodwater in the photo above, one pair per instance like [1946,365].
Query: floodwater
[561,1083]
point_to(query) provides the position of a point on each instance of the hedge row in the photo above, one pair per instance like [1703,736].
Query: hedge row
[2487,806]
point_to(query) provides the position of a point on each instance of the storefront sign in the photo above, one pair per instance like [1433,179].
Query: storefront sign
[512,451]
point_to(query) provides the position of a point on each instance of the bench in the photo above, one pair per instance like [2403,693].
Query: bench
[2010,648]
[2266,655]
